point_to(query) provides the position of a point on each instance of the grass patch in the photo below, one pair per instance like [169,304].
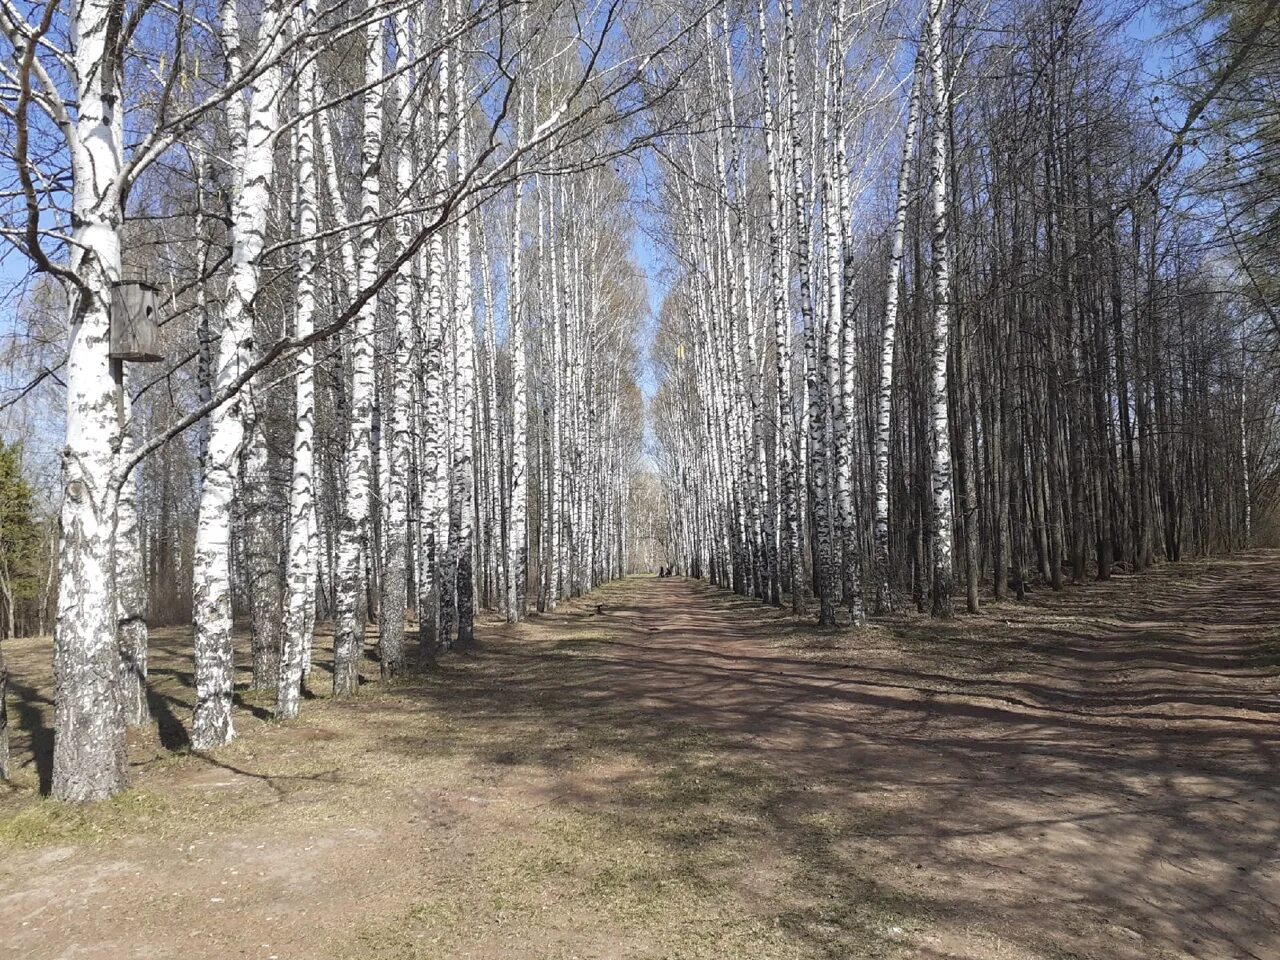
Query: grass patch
[48,822]
[673,844]
[572,645]
[689,856]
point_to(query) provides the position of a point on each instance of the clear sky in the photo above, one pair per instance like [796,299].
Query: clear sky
[650,261]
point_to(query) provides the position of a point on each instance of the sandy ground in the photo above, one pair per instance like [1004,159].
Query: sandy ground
[689,774]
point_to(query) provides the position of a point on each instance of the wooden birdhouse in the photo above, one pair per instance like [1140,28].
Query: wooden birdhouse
[134,322]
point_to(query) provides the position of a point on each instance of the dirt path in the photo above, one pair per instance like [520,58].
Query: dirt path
[688,774]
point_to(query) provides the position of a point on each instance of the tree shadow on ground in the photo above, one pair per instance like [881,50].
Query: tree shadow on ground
[33,744]
[861,795]
[170,729]
[1091,774]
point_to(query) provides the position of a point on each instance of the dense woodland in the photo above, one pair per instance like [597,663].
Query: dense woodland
[959,300]
[1022,354]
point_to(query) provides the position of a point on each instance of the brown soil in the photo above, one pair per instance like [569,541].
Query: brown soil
[688,774]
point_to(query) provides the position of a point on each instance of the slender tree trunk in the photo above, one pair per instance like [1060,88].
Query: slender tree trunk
[261,544]
[888,342]
[941,519]
[214,666]
[354,533]
[301,558]
[463,487]
[131,587]
[517,537]
[395,578]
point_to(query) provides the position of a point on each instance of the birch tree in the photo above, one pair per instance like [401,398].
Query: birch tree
[941,524]
[212,724]
[301,560]
[354,536]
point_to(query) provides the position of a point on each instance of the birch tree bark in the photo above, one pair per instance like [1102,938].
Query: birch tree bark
[261,544]
[786,514]
[941,519]
[131,588]
[301,559]
[462,488]
[434,519]
[395,578]
[354,539]
[824,405]
[888,346]
[88,746]
[815,379]
[212,723]
[518,535]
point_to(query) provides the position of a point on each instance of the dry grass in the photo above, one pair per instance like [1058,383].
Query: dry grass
[525,812]
[711,779]
[43,822]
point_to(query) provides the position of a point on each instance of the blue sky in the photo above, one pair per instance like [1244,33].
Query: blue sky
[1144,27]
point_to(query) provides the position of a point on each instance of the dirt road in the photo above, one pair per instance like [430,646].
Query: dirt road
[689,774]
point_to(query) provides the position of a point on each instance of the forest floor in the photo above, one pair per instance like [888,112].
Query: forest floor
[688,774]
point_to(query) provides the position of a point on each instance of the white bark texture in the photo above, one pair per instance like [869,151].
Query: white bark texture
[300,560]
[395,579]
[462,485]
[517,538]
[88,747]
[888,341]
[354,538]
[212,723]
[131,587]
[941,520]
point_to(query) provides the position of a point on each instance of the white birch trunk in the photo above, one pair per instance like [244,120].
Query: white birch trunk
[88,746]
[1247,539]
[941,432]
[816,399]
[131,590]
[463,486]
[353,534]
[518,536]
[888,340]
[831,442]
[301,559]
[212,723]
[392,607]
[434,497]
[785,515]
